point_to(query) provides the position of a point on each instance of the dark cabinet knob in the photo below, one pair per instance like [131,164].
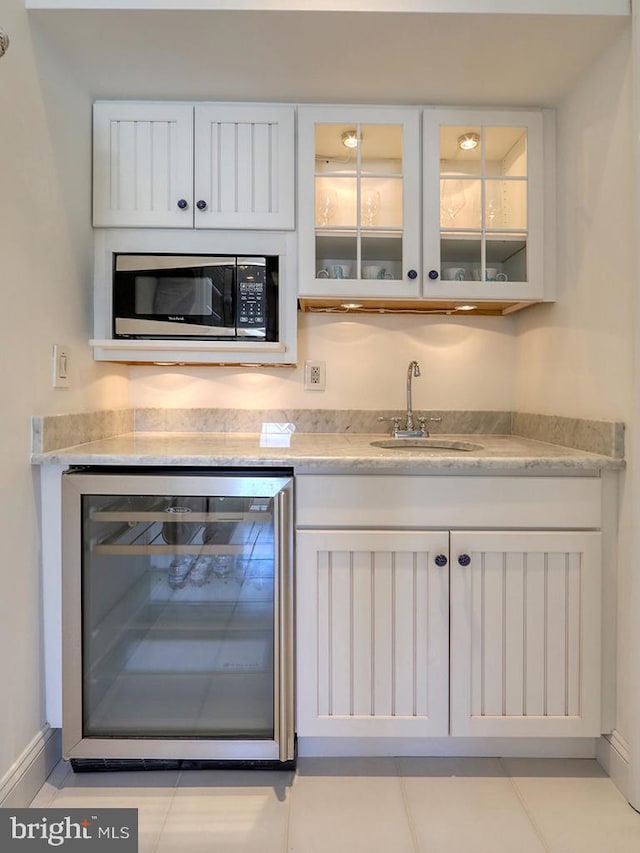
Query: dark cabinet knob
[440,560]
[412,274]
[183,204]
[433,274]
[201,205]
[464,559]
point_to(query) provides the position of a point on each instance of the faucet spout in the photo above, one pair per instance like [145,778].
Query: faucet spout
[412,370]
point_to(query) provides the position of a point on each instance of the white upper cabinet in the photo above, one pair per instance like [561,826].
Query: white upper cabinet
[359,202]
[458,210]
[142,165]
[483,186]
[169,165]
[244,166]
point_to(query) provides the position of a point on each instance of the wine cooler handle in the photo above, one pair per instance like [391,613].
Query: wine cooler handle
[284,664]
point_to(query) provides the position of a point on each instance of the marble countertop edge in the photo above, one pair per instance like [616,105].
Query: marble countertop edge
[327,453]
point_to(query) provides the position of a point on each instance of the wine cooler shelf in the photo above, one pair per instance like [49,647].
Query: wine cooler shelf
[183,528]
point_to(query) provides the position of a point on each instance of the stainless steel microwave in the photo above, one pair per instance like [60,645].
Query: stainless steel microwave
[210,297]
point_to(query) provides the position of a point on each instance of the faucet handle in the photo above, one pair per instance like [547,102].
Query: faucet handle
[423,421]
[394,419]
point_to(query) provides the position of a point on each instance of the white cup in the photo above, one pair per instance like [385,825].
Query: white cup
[454,273]
[373,271]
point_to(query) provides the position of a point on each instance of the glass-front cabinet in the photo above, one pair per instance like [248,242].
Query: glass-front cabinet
[425,208]
[483,204]
[359,202]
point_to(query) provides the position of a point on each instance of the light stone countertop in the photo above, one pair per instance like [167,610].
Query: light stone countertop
[319,453]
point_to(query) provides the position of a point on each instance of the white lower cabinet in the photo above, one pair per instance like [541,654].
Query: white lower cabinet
[373,638]
[525,633]
[429,633]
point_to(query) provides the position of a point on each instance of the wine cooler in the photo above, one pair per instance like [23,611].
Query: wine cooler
[177,617]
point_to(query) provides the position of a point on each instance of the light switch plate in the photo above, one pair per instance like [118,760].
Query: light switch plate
[61,361]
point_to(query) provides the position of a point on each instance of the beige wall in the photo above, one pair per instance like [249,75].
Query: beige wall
[466,364]
[575,357]
[45,243]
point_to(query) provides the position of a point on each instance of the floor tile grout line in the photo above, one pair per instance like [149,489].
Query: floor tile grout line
[525,806]
[405,802]
[166,814]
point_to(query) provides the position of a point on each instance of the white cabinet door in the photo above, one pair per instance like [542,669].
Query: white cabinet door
[359,204]
[525,633]
[244,166]
[372,633]
[153,169]
[487,235]
[142,165]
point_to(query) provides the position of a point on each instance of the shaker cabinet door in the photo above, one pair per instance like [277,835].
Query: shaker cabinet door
[372,635]
[142,165]
[525,634]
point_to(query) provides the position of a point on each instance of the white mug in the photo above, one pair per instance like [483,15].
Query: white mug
[454,274]
[373,271]
[492,274]
[322,274]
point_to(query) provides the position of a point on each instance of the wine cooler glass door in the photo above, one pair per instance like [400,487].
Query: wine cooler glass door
[182,614]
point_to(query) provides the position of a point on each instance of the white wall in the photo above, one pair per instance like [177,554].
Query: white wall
[575,357]
[466,364]
[45,255]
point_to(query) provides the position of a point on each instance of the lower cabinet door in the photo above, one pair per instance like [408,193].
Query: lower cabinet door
[372,633]
[525,633]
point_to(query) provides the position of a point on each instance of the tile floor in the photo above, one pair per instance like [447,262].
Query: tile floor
[404,805]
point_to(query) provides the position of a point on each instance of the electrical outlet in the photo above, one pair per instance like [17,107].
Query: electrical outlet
[61,366]
[314,375]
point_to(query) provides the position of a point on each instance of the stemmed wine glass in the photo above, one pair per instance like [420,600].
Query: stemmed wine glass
[370,207]
[452,200]
[326,206]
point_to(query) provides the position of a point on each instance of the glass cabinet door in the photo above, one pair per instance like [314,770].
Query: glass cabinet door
[483,203]
[483,190]
[178,616]
[358,230]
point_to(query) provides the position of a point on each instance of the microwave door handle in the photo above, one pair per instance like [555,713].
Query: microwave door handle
[229,301]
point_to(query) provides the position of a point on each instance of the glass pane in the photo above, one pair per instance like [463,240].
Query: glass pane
[381,202]
[460,203]
[460,256]
[457,160]
[178,622]
[381,256]
[505,151]
[381,149]
[506,204]
[508,258]
[336,256]
[336,203]
[332,155]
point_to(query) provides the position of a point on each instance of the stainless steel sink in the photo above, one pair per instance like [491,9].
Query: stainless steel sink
[425,444]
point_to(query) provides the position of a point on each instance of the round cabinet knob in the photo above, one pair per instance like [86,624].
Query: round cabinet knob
[412,274]
[464,560]
[440,560]
[201,205]
[433,274]
[183,204]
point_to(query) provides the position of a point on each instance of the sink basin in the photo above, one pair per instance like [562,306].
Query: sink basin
[425,444]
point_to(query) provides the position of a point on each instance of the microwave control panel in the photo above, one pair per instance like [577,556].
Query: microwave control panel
[252,296]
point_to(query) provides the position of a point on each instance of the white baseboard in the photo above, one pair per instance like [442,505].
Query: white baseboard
[27,775]
[613,756]
[456,747]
